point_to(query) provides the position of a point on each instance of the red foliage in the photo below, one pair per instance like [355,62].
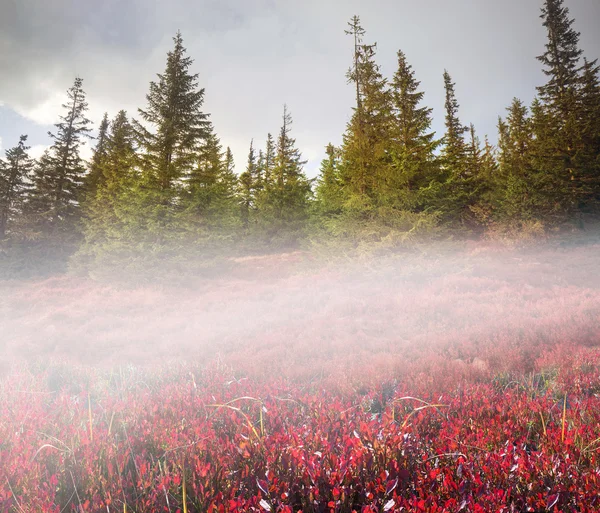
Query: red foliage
[465,393]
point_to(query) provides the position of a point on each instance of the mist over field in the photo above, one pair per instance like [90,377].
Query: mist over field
[429,380]
[288,312]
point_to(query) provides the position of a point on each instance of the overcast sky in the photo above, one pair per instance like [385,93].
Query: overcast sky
[255,55]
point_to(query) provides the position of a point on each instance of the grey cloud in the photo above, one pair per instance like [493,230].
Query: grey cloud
[254,55]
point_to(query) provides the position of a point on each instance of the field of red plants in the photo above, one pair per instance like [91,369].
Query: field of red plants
[463,381]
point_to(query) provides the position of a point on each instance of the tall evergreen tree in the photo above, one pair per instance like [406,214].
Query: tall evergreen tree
[210,200]
[201,182]
[503,143]
[229,188]
[95,173]
[38,204]
[473,153]
[357,32]
[484,162]
[247,186]
[521,188]
[225,202]
[489,161]
[559,144]
[269,160]
[477,175]
[458,180]
[283,203]
[412,141]
[550,184]
[590,106]
[329,188]
[560,60]
[454,149]
[177,124]
[588,158]
[58,179]
[261,170]
[366,143]
[120,151]
[519,135]
[109,211]
[412,122]
[14,184]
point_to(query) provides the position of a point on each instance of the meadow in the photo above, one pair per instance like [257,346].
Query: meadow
[435,381]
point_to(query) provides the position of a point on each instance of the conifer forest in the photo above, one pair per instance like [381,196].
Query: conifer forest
[414,329]
[160,179]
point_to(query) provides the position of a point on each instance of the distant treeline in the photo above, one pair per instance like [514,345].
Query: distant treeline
[164,181]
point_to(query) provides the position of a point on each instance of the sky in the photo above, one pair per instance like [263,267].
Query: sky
[252,56]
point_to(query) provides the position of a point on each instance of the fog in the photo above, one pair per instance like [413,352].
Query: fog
[296,315]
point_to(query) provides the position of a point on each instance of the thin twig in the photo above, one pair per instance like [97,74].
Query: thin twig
[76,492]
[13,494]
[447,454]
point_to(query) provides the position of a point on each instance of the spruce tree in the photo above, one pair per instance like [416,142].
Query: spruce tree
[477,176]
[458,180]
[549,178]
[354,138]
[228,192]
[329,189]
[177,124]
[489,161]
[588,158]
[38,206]
[454,149]
[59,178]
[95,173]
[366,143]
[412,122]
[560,60]
[120,159]
[14,184]
[413,143]
[228,178]
[523,187]
[503,143]
[484,203]
[284,201]
[201,182]
[519,134]
[590,106]
[260,169]
[357,32]
[109,214]
[210,200]
[557,147]
[269,160]
[473,153]
[247,186]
